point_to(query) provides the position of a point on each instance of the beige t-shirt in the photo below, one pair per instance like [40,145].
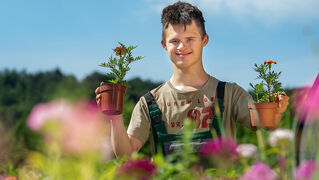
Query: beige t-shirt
[177,105]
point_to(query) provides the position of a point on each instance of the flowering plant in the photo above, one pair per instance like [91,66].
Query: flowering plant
[120,66]
[269,79]
[75,141]
[136,169]
[68,154]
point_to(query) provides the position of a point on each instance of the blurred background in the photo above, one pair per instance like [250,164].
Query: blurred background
[76,36]
[51,50]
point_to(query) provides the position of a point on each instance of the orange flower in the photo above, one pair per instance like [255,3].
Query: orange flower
[119,50]
[11,178]
[270,62]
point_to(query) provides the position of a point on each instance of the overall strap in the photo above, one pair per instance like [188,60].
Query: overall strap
[220,95]
[217,121]
[158,126]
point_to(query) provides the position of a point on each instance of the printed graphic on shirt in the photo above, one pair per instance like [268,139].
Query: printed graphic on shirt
[199,110]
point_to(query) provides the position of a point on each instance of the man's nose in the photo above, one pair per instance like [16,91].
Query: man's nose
[181,45]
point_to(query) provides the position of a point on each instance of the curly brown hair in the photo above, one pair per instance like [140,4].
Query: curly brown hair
[182,13]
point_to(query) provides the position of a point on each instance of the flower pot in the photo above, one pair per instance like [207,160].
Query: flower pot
[112,98]
[265,113]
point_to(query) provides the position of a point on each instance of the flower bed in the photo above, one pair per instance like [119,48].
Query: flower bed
[76,145]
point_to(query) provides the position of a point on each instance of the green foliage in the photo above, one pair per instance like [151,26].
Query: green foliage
[139,87]
[120,66]
[269,79]
[181,168]
[92,81]
[245,135]
[11,150]
[69,88]
[259,92]
[20,91]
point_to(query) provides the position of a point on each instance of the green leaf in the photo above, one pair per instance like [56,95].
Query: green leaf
[269,78]
[120,66]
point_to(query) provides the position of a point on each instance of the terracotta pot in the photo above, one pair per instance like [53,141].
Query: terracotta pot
[112,98]
[265,112]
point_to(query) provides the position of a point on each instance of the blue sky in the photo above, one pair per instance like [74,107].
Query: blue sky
[78,35]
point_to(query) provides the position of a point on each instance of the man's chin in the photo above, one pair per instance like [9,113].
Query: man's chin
[181,65]
[181,59]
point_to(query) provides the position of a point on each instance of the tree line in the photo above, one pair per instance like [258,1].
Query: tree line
[21,91]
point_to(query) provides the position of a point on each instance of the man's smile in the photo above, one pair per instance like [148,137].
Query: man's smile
[183,54]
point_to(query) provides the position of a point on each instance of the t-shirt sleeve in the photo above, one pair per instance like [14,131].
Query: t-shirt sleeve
[240,104]
[139,126]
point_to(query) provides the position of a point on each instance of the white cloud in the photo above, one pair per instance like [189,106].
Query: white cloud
[268,11]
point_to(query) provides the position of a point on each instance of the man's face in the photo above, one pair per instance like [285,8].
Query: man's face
[184,47]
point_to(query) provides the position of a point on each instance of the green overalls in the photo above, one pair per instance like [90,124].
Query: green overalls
[164,141]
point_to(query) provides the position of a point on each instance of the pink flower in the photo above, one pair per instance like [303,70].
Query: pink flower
[305,170]
[222,152]
[44,112]
[218,147]
[78,128]
[308,103]
[137,169]
[259,171]
[84,130]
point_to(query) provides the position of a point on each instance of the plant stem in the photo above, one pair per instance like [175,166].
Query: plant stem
[268,86]
[269,83]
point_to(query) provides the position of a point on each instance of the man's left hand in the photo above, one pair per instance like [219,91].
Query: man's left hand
[283,101]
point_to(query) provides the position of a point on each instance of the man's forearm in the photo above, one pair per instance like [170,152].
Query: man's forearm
[120,141]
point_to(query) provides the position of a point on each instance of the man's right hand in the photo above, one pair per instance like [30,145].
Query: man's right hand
[122,143]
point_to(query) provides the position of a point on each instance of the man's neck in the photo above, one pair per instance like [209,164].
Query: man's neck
[189,80]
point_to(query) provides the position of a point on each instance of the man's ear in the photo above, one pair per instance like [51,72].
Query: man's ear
[164,45]
[205,40]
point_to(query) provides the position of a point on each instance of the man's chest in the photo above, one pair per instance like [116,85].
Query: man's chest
[176,109]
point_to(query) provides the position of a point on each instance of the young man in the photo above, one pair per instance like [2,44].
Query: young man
[189,93]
